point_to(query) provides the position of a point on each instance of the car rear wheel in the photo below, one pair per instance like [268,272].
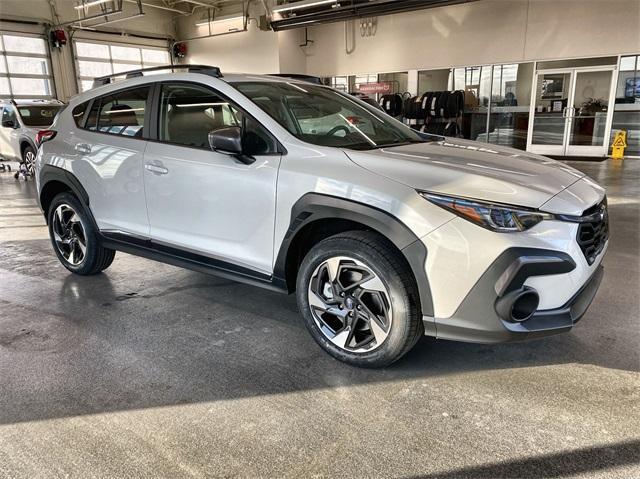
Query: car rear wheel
[29,159]
[359,300]
[75,238]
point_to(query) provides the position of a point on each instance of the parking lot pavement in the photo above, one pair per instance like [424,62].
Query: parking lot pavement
[153,371]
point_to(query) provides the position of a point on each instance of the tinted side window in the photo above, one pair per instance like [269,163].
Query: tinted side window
[122,113]
[78,113]
[189,112]
[8,114]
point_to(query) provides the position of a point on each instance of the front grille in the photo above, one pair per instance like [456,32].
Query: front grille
[593,231]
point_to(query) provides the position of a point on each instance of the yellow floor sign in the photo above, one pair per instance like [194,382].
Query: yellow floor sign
[619,144]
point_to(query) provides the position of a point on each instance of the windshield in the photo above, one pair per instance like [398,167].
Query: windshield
[38,115]
[326,117]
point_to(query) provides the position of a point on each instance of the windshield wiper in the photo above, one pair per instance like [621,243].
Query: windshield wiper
[400,143]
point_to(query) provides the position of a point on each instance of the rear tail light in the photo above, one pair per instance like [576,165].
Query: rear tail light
[45,135]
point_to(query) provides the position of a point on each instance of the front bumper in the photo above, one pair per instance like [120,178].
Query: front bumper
[477,319]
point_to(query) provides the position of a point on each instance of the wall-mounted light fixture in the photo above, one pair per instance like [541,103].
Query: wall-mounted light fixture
[91,3]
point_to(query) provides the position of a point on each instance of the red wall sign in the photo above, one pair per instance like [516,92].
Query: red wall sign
[380,87]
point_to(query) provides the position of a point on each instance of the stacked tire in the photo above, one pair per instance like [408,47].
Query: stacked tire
[392,104]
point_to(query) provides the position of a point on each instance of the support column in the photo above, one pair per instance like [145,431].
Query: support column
[412,82]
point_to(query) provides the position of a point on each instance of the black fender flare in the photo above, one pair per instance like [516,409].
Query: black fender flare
[316,206]
[49,173]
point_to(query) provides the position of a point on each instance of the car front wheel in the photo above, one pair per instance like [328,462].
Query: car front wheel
[358,299]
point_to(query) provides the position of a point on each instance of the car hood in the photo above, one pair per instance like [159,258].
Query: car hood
[472,170]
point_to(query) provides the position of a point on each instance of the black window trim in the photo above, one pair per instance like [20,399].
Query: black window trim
[85,115]
[154,130]
[147,120]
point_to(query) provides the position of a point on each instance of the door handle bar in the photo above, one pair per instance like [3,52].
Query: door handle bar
[83,148]
[160,170]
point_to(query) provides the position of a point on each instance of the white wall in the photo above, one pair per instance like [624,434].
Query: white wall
[481,32]
[253,51]
[292,57]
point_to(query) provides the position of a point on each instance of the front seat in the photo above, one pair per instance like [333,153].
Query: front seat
[191,125]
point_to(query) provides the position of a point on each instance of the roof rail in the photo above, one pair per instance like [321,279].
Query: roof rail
[297,76]
[204,69]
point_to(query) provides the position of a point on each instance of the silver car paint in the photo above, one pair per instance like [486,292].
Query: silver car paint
[473,170]
[211,204]
[109,167]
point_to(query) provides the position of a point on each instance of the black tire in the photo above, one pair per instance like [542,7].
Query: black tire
[29,159]
[381,257]
[96,257]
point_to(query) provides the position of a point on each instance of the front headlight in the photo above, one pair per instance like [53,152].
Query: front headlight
[494,217]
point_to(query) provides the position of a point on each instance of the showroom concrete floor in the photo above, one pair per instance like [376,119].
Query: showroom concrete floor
[154,371]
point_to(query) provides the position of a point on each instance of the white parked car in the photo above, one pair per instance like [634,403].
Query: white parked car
[20,122]
[383,233]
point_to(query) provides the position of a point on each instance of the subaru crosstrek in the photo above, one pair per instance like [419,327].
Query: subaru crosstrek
[21,121]
[383,233]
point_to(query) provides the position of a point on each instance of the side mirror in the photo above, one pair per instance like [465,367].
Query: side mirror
[228,141]
[9,124]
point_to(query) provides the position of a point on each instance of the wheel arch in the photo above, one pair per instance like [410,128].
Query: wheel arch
[53,181]
[316,216]
[25,141]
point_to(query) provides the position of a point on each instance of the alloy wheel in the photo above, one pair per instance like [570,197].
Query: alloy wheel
[69,234]
[350,304]
[30,162]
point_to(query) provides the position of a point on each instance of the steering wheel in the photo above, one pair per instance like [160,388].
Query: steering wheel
[336,129]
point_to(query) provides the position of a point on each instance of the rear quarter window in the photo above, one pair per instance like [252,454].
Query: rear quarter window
[78,113]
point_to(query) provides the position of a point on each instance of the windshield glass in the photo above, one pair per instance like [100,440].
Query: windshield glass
[38,115]
[326,117]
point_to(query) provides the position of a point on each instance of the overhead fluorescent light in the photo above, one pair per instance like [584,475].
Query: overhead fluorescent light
[227,18]
[91,3]
[287,7]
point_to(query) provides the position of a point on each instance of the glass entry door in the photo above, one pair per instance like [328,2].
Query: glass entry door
[570,114]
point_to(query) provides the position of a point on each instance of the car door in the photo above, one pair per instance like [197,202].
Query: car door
[109,150]
[9,137]
[203,201]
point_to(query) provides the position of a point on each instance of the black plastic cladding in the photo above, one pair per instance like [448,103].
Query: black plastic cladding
[315,206]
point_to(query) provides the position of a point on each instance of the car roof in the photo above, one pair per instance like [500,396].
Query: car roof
[115,82]
[36,102]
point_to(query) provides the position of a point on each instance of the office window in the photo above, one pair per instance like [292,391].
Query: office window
[475,81]
[25,69]
[626,111]
[340,83]
[99,59]
[510,101]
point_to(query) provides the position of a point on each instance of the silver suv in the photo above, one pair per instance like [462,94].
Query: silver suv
[20,122]
[383,233]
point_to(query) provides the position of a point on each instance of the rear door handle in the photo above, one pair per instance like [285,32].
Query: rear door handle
[160,170]
[83,148]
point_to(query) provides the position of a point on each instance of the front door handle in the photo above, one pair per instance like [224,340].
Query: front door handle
[160,170]
[83,148]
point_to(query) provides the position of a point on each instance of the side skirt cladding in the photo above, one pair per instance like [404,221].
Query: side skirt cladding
[315,207]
